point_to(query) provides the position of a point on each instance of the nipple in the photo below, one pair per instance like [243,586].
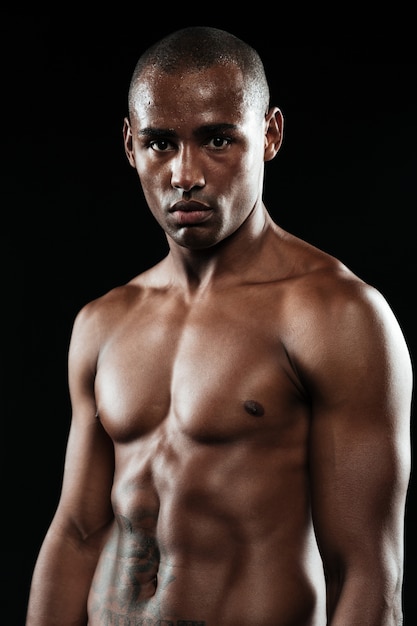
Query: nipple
[253,408]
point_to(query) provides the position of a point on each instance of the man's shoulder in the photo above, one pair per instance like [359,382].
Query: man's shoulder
[122,297]
[320,288]
[328,288]
[314,273]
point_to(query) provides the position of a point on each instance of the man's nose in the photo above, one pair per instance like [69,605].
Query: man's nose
[187,170]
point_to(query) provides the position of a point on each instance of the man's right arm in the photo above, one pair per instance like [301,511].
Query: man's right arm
[68,556]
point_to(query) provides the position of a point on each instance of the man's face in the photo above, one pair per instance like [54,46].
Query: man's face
[198,147]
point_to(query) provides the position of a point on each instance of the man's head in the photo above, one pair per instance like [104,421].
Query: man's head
[197,48]
[199,131]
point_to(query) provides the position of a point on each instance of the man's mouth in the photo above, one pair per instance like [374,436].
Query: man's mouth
[190,213]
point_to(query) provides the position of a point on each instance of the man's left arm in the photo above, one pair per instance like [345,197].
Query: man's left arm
[361,389]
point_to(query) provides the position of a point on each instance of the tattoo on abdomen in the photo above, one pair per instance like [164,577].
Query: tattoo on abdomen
[138,558]
[128,579]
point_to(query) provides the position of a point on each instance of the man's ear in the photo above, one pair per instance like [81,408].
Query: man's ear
[274,122]
[128,142]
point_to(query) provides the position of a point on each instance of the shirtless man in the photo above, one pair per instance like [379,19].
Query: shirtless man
[239,451]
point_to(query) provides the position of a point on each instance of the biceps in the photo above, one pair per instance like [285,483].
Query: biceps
[88,476]
[360,472]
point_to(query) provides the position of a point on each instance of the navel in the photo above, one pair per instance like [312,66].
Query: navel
[253,408]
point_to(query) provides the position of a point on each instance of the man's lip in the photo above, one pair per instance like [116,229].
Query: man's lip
[188,206]
[190,213]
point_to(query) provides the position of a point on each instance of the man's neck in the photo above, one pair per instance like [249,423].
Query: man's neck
[229,262]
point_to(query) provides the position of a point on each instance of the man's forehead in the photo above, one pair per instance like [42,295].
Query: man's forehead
[216,82]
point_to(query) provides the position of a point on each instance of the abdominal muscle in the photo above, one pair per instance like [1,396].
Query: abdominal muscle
[199,540]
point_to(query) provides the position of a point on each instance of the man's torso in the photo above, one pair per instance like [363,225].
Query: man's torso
[210,424]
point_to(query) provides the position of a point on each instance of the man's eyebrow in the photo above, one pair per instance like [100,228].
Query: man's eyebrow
[157,132]
[212,129]
[206,129]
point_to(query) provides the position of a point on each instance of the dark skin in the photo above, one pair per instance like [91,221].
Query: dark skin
[240,410]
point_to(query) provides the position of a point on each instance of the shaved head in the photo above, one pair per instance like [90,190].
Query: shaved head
[196,48]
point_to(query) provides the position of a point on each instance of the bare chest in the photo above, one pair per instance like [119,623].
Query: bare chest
[217,373]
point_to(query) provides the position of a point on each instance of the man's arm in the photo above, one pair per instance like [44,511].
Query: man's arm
[69,553]
[360,380]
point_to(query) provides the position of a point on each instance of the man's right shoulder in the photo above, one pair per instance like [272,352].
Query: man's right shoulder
[113,303]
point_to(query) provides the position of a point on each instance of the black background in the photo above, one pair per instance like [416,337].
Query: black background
[74,223]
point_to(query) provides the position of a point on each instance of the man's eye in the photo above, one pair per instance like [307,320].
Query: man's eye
[219,142]
[160,145]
